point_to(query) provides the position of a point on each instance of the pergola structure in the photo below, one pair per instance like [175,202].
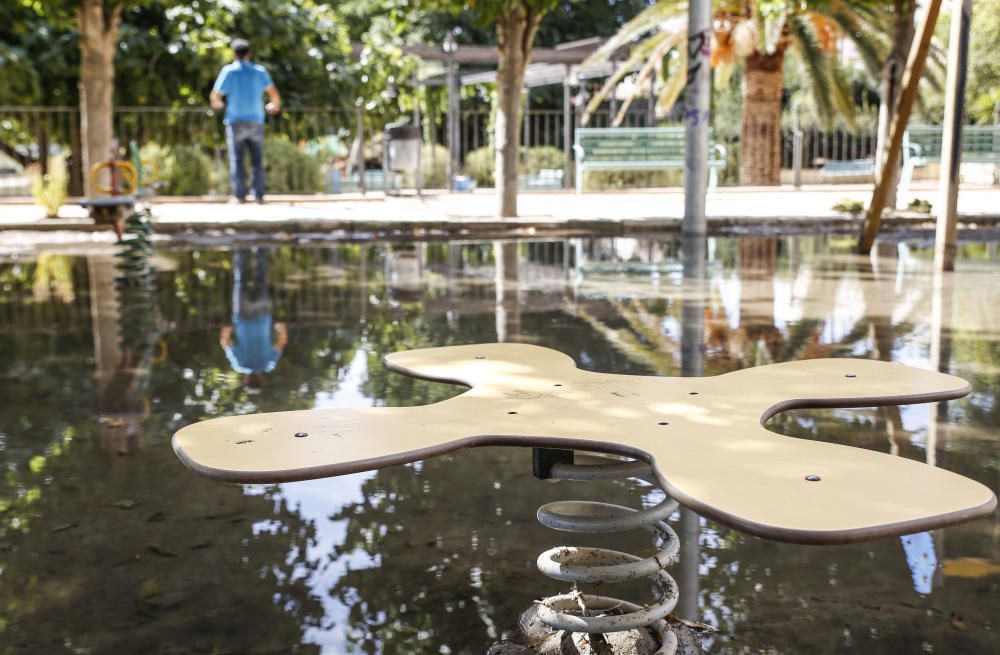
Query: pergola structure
[562,64]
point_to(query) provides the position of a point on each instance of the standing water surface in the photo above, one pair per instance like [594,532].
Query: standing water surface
[109,545]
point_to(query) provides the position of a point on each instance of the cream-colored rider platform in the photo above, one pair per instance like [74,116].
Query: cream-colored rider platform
[704,437]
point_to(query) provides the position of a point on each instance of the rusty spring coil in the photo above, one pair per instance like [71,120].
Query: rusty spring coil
[579,564]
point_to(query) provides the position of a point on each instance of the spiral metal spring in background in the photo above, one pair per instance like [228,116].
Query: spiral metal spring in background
[578,564]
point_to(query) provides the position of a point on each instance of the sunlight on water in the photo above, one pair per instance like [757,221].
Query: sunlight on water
[109,545]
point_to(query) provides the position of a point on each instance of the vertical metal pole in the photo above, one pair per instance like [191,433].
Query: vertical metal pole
[525,120]
[418,174]
[651,107]
[359,128]
[796,149]
[449,135]
[951,147]
[613,100]
[567,133]
[696,117]
[996,123]
[452,123]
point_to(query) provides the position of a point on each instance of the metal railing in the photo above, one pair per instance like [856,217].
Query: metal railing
[309,146]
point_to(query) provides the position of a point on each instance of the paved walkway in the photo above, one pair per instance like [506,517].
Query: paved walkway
[472,214]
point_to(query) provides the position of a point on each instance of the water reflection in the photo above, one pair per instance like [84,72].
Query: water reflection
[133,553]
[247,341]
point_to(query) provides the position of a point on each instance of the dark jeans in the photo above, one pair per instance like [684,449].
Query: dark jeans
[250,297]
[242,136]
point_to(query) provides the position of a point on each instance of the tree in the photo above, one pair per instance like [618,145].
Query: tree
[98,22]
[892,76]
[759,33]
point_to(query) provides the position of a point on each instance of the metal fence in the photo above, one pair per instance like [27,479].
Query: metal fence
[308,146]
[187,145]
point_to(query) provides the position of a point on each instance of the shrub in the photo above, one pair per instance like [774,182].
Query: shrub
[633,179]
[849,206]
[183,169]
[287,169]
[433,170]
[480,163]
[49,190]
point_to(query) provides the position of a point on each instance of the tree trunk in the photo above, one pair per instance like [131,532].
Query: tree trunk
[516,31]
[892,75]
[98,24]
[760,137]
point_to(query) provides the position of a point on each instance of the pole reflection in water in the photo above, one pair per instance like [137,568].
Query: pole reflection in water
[693,316]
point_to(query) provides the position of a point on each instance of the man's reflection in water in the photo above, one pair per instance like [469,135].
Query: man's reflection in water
[247,341]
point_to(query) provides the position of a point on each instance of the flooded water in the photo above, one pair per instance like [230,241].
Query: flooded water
[109,545]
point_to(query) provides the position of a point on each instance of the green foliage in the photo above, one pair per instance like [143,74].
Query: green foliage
[49,190]
[849,206]
[184,170]
[920,206]
[287,169]
[983,92]
[479,165]
[481,162]
[632,179]
[434,166]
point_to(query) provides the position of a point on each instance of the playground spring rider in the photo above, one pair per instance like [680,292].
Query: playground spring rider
[702,439]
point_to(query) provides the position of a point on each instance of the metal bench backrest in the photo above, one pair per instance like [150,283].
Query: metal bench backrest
[980,143]
[631,144]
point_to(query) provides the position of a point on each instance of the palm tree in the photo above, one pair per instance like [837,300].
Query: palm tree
[760,33]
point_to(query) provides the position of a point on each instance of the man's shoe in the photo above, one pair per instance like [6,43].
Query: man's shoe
[260,201]
[237,201]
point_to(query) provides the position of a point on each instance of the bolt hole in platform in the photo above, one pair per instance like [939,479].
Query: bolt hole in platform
[692,393]
[512,412]
[663,423]
[813,478]
[480,356]
[301,434]
[850,375]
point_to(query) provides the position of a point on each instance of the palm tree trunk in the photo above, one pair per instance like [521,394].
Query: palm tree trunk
[760,137]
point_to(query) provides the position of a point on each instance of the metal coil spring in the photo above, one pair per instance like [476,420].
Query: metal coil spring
[578,564]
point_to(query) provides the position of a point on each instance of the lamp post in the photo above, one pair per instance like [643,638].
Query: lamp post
[450,47]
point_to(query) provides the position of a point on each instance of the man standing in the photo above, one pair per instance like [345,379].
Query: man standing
[242,84]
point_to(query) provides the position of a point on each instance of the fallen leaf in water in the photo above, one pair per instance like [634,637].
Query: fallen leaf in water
[970,567]
[155,516]
[162,552]
[150,587]
[126,503]
[957,622]
[64,526]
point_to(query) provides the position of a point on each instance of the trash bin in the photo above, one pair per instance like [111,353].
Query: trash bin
[402,147]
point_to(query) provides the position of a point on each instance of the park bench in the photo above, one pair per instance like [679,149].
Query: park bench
[912,159]
[637,148]
[980,143]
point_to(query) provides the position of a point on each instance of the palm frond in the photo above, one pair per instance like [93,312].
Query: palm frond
[815,63]
[673,85]
[640,54]
[645,21]
[872,49]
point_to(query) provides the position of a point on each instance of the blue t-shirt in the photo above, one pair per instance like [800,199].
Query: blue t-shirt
[243,84]
[253,351]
